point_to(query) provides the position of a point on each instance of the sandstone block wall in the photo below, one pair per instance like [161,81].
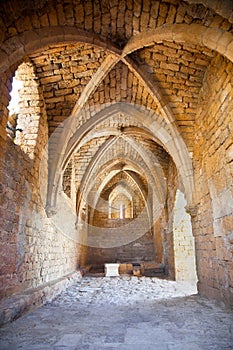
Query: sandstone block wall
[33,250]
[159,72]
[133,249]
[184,245]
[213,163]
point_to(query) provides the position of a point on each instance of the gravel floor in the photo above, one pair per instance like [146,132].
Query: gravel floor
[123,313]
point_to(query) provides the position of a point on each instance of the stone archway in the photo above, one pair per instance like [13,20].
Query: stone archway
[175,146]
[161,67]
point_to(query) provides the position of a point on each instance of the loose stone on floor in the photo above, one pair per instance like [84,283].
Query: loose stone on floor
[123,313]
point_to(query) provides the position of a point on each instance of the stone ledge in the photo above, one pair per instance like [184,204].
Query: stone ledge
[15,306]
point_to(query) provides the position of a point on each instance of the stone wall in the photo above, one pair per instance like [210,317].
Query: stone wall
[84,56]
[33,250]
[138,250]
[184,248]
[213,162]
[116,239]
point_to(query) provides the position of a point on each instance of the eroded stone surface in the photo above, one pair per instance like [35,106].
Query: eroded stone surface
[123,313]
[141,90]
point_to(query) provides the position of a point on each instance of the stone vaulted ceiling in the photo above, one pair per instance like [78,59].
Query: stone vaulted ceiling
[117,70]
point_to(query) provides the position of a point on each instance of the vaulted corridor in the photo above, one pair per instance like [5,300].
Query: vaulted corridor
[116,159]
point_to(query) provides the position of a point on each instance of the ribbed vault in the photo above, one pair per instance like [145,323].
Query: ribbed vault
[130,111]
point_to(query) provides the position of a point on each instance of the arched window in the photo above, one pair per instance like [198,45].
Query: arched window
[122,211]
[13,108]
[24,109]
[120,204]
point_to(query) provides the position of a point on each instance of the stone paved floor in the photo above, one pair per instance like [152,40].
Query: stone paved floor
[123,313]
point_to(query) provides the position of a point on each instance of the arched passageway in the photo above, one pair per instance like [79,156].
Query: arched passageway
[121,146]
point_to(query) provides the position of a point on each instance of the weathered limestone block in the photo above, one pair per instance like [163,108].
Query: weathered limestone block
[112,270]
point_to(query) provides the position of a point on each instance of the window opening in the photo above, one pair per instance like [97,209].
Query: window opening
[122,211]
[24,109]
